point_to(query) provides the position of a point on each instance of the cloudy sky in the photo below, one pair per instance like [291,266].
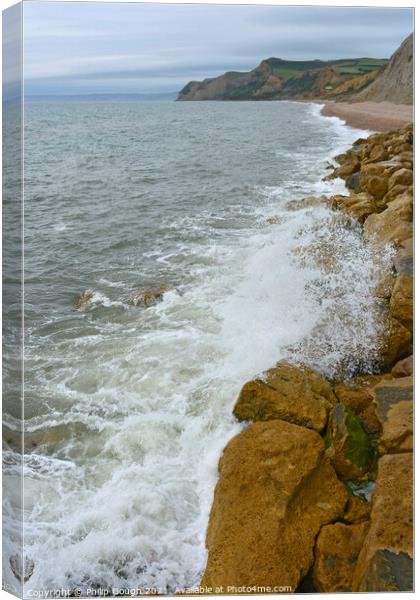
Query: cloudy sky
[73,48]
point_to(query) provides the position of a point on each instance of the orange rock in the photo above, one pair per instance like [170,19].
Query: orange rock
[403,368]
[396,342]
[393,225]
[393,400]
[384,563]
[276,490]
[401,303]
[295,394]
[401,177]
[336,552]
[357,510]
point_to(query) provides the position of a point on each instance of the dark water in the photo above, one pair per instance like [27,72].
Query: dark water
[127,408]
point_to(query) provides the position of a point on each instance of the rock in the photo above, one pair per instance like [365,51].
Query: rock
[393,400]
[357,511]
[353,182]
[275,491]
[336,553]
[357,392]
[401,177]
[294,394]
[393,225]
[401,303]
[83,300]
[378,153]
[403,368]
[349,446]
[391,530]
[375,185]
[370,421]
[22,571]
[403,258]
[148,297]
[397,190]
[384,288]
[395,343]
[358,206]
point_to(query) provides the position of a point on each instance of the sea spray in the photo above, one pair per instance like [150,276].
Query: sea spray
[128,408]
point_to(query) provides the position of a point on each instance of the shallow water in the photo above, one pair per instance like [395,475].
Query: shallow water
[127,409]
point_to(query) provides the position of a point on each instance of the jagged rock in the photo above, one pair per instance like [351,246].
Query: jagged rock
[148,297]
[396,191]
[336,552]
[349,446]
[375,185]
[393,400]
[403,259]
[403,368]
[391,530]
[358,206]
[401,177]
[395,343]
[83,300]
[384,288]
[378,153]
[393,225]
[357,511]
[401,303]
[276,489]
[357,393]
[294,394]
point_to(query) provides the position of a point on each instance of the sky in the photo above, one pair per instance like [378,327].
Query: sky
[82,47]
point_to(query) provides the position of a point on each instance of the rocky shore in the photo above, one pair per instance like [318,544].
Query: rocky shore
[293,509]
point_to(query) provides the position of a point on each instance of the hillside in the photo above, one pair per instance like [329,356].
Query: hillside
[277,79]
[395,83]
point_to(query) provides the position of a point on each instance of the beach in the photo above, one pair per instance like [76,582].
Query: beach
[374,116]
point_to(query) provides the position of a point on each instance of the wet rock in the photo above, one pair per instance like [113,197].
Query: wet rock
[403,258]
[275,491]
[403,368]
[353,182]
[396,342]
[22,569]
[391,530]
[384,288]
[83,300]
[148,297]
[393,400]
[359,206]
[375,185]
[357,393]
[357,511]
[401,303]
[294,394]
[336,553]
[349,446]
[393,225]
[401,177]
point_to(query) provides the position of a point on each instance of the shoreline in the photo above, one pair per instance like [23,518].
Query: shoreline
[300,475]
[371,116]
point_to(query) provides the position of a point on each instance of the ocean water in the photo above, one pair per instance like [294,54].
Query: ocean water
[127,408]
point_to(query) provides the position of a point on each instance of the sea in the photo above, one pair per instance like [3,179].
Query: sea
[128,407]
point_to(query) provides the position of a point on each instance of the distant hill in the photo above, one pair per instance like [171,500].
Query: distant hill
[395,83]
[277,79]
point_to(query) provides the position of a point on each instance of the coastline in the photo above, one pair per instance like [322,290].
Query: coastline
[372,116]
[310,441]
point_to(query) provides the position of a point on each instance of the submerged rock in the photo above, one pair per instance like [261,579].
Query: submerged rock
[276,489]
[336,552]
[385,561]
[295,394]
[83,300]
[148,297]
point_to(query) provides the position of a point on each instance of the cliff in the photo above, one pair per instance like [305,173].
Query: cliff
[277,79]
[395,82]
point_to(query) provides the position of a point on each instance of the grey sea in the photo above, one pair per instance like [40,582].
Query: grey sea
[128,408]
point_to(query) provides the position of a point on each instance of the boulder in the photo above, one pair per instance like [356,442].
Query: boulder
[393,401]
[403,258]
[384,563]
[393,225]
[294,394]
[401,177]
[375,185]
[349,446]
[397,190]
[148,298]
[353,182]
[396,342]
[336,553]
[357,510]
[359,206]
[378,153]
[403,368]
[357,393]
[276,489]
[401,303]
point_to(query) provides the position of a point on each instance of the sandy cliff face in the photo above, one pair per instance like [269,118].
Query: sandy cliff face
[395,83]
